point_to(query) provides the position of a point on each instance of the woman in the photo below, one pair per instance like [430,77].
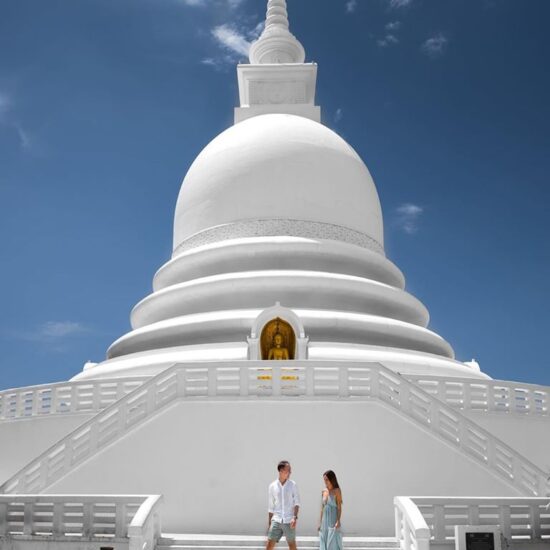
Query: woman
[330,537]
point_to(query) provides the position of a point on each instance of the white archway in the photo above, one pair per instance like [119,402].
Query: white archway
[288,315]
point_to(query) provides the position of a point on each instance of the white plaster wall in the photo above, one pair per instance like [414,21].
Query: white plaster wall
[528,434]
[213,461]
[23,439]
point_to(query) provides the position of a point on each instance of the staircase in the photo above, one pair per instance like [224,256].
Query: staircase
[245,380]
[238,542]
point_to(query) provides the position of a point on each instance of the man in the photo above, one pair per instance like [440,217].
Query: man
[284,503]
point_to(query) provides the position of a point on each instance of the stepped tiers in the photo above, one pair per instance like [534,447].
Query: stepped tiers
[279,209]
[277,330]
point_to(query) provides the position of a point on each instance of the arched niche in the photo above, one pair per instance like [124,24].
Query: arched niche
[268,315]
[279,329]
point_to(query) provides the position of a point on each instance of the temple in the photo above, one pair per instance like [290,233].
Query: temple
[277,329]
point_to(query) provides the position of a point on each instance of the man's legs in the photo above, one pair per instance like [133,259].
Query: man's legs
[270,544]
[292,545]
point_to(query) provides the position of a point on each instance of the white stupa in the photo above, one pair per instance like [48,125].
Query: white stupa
[279,254]
[279,209]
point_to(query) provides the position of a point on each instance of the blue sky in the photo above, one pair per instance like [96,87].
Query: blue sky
[105,103]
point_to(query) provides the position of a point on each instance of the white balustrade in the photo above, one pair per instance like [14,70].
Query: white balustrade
[519,519]
[145,529]
[66,397]
[487,395]
[411,530]
[282,380]
[132,519]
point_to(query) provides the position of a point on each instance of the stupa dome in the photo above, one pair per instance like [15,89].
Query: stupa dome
[278,166]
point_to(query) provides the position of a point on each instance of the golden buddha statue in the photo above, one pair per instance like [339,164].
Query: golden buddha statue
[277,352]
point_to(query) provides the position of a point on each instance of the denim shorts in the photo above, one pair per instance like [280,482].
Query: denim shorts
[277,530]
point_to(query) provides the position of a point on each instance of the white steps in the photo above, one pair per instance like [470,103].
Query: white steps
[247,542]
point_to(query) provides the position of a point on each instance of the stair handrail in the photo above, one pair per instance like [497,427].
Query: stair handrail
[522,518]
[411,530]
[204,380]
[132,517]
[501,396]
[145,529]
[73,397]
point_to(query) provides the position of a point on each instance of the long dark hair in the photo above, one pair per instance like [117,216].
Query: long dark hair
[331,476]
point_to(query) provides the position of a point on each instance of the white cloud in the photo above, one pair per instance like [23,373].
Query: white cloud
[5,105]
[9,120]
[396,4]
[60,329]
[393,25]
[351,6]
[53,332]
[232,39]
[203,3]
[338,114]
[407,217]
[235,43]
[435,46]
[388,40]
[24,137]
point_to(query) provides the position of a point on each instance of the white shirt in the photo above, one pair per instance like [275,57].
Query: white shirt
[282,499]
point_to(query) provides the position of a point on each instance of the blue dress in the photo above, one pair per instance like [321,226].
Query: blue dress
[329,537]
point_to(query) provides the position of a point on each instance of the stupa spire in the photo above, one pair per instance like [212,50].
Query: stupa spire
[276,44]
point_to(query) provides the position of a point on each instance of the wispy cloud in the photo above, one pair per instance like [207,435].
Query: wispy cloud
[391,37]
[351,6]
[234,42]
[9,120]
[203,3]
[396,4]
[435,46]
[393,26]
[56,330]
[5,105]
[338,114]
[407,217]
[231,39]
[388,40]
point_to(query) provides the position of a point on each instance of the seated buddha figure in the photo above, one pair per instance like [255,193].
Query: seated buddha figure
[277,352]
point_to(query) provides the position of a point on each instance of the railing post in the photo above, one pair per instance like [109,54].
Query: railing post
[505,521]
[243,381]
[466,396]
[19,405]
[491,400]
[534,512]
[212,375]
[343,383]
[34,403]
[74,398]
[151,399]
[96,393]
[310,380]
[275,380]
[3,519]
[181,378]
[404,397]
[87,520]
[57,520]
[374,382]
[120,520]
[53,400]
[28,526]
[439,523]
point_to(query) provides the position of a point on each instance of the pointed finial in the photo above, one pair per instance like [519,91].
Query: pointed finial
[276,43]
